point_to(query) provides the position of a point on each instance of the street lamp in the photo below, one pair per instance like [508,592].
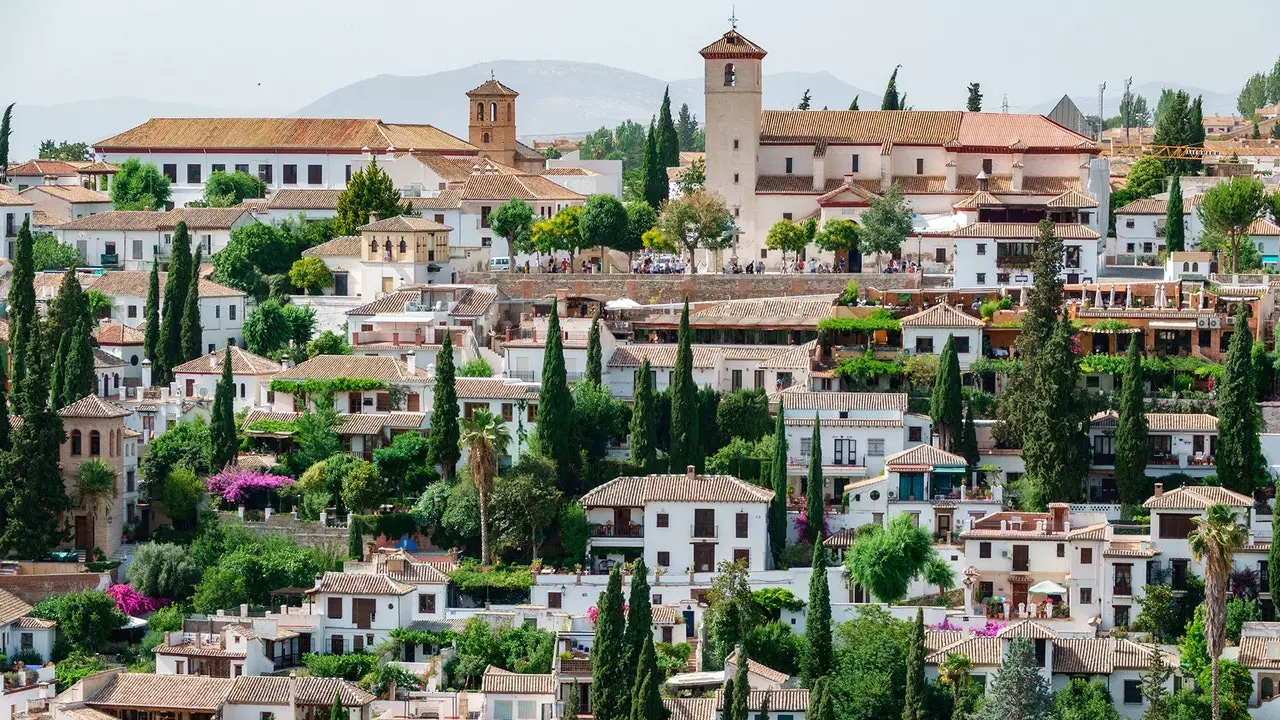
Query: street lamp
[919,252]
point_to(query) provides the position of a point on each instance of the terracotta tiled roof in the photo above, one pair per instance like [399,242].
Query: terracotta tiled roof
[1262,228]
[690,708]
[134,283]
[846,193]
[843,538]
[176,692]
[341,583]
[1260,653]
[8,199]
[1130,550]
[925,455]
[272,133]
[104,359]
[405,223]
[805,421]
[11,607]
[392,302]
[523,187]
[1072,199]
[667,615]
[203,218]
[797,185]
[796,398]
[447,199]
[872,127]
[329,367]
[1191,256]
[1023,231]
[493,388]
[43,168]
[981,651]
[492,87]
[42,219]
[92,406]
[110,333]
[73,194]
[981,198]
[498,681]
[1156,206]
[474,303]
[1196,497]
[1102,656]
[941,315]
[575,171]
[638,491]
[1029,629]
[342,246]
[791,358]
[935,640]
[434,573]
[96,167]
[299,199]
[1004,130]
[138,220]
[732,45]
[27,622]
[195,649]
[1092,532]
[243,362]
[756,668]
[660,356]
[785,700]
[311,691]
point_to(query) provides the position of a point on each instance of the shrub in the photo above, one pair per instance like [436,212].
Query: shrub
[163,570]
[351,667]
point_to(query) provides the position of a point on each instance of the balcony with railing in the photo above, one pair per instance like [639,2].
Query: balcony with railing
[704,531]
[406,338]
[109,260]
[1122,589]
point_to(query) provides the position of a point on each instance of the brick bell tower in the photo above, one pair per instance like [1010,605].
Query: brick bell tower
[493,121]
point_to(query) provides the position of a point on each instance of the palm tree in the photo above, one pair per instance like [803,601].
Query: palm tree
[1215,540]
[485,438]
[95,489]
[954,671]
[938,572]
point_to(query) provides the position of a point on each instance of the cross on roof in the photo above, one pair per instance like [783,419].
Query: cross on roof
[733,17]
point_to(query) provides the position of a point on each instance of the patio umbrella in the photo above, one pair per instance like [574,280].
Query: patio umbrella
[1097,296]
[1047,587]
[1111,300]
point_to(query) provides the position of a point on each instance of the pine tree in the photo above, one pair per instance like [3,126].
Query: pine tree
[969,439]
[595,371]
[891,100]
[778,482]
[668,139]
[974,103]
[554,437]
[913,703]
[946,406]
[608,656]
[818,660]
[1132,450]
[444,452]
[815,505]
[727,699]
[684,401]
[177,283]
[765,701]
[1018,691]
[355,538]
[1174,232]
[370,191]
[639,630]
[805,101]
[653,173]
[22,309]
[1239,461]
[151,331]
[222,423]
[192,333]
[643,421]
[58,375]
[78,377]
[854,104]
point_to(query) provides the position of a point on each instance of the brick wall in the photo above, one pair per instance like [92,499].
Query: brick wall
[34,588]
[651,289]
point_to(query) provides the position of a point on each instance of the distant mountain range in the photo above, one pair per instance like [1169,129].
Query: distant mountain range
[557,98]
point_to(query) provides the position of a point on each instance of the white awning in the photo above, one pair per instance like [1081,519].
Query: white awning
[1173,325]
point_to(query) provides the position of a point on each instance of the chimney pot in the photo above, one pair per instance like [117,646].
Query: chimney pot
[411,362]
[374,217]
[244,610]
[691,472]
[1159,489]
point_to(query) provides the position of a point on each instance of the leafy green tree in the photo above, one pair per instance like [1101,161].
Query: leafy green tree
[733,610]
[1240,610]
[913,703]
[838,235]
[1273,555]
[818,660]
[186,443]
[513,221]
[222,420]
[645,700]
[643,451]
[1083,700]
[406,464]
[736,701]
[641,217]
[1229,208]
[872,666]
[560,233]
[1132,449]
[328,343]
[668,138]
[1055,442]
[954,672]
[974,103]
[310,274]
[946,406]
[526,504]
[743,414]
[778,483]
[1018,691]
[654,173]
[66,310]
[151,329]
[22,309]
[604,223]
[86,618]
[608,684]
[554,435]
[177,284]
[315,436]
[1177,124]
[139,187]
[362,488]
[885,223]
[684,401]
[886,560]
[444,432]
[1146,177]
[805,100]
[192,332]
[1174,231]
[853,104]
[1238,454]
[266,330]
[5,132]
[573,703]
[596,419]
[164,570]
[1214,541]
[789,237]
[49,254]
[4,407]
[370,190]
[58,377]
[224,189]
[891,101]
[698,219]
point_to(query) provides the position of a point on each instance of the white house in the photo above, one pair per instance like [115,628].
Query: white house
[342,256]
[250,377]
[990,254]
[20,632]
[16,210]
[606,175]
[518,696]
[415,317]
[44,172]
[928,483]
[1189,265]
[134,239]
[925,332]
[228,652]
[1140,229]
[126,343]
[1182,443]
[859,431]
[514,401]
[680,523]
[1265,235]
[308,205]
[222,309]
[67,202]
[727,368]
[28,693]
[360,609]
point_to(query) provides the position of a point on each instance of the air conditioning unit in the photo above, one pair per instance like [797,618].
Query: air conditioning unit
[1216,322]
[1004,553]
[1202,322]
[893,494]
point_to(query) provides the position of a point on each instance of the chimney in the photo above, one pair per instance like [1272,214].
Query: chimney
[244,610]
[886,170]
[1016,183]
[1058,515]
[411,362]
[293,694]
[983,180]
[374,217]
[1159,489]
[146,373]
[848,179]
[691,472]
[285,362]
[951,175]
[820,168]
[168,637]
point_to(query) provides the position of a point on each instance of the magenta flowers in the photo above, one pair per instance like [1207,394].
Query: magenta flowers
[235,484]
[133,603]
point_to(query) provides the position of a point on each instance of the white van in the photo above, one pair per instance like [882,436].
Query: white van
[499,264]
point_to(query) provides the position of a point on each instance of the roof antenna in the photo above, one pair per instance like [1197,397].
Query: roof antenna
[491,77]
[733,17]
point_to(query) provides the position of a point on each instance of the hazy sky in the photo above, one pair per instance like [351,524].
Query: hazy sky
[282,54]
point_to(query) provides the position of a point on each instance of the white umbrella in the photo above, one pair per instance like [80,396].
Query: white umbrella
[1097,296]
[1111,300]
[1047,587]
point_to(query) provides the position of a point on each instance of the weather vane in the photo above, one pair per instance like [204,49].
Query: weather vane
[733,17]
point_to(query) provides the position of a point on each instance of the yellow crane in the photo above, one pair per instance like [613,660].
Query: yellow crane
[1182,152]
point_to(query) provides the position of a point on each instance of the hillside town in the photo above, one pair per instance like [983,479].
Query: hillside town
[990,399]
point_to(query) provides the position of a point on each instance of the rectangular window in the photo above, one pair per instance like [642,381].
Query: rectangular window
[469,409]
[231,312]
[736,381]
[242,168]
[1086,556]
[264,173]
[27,640]
[786,216]
[790,165]
[484,215]
[806,446]
[179,667]
[662,520]
[962,344]
[217,167]
[532,414]
[982,248]
[664,559]
[193,173]
[940,255]
[315,174]
[704,522]
[170,171]
[502,710]
[1175,527]
[347,176]
[1179,580]
[554,600]
[1062,549]
[133,311]
[667,634]
[1129,223]
[915,434]
[740,522]
[759,379]
[984,550]
[508,411]
[986,165]
[919,166]
[735,178]
[875,447]
[1132,692]
[290,174]
[217,311]
[335,607]
[1021,558]
[838,456]
[982,278]
[1086,595]
[1122,616]
[742,555]
[427,603]
[924,345]
[735,143]
[854,168]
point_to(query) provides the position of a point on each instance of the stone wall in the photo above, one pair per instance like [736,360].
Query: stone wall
[654,289]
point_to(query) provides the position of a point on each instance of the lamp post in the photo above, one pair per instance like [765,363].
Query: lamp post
[919,251]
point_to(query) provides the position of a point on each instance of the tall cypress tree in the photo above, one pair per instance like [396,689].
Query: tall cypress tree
[78,378]
[643,421]
[778,482]
[969,440]
[1055,443]
[820,707]
[815,506]
[653,172]
[1132,450]
[22,309]
[4,404]
[668,138]
[645,700]
[741,688]
[68,306]
[639,631]
[58,375]
[891,100]
[554,437]
[684,401]
[608,656]
[151,330]
[595,369]
[818,660]
[169,349]
[222,423]
[573,704]
[1238,457]
[445,432]
[192,335]
[946,405]
[1174,232]
[913,703]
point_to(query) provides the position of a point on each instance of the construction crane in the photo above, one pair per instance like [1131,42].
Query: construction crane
[1182,152]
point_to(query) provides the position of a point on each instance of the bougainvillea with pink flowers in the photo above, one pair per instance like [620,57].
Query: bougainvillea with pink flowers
[946,624]
[133,603]
[236,484]
[802,525]
[989,630]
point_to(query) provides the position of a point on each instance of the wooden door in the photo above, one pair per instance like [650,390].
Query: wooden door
[704,557]
[1021,558]
[84,540]
[1019,594]
[362,610]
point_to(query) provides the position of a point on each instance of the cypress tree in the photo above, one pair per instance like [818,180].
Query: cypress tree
[969,439]
[891,100]
[5,132]
[4,404]
[1174,232]
[778,482]
[741,688]
[824,710]
[1237,455]
[444,451]
[192,336]
[608,656]
[818,660]
[913,703]
[169,349]
[1055,441]
[763,714]
[853,105]
[337,711]
[645,700]
[222,423]
[643,420]
[22,308]
[68,306]
[554,437]
[1273,557]
[653,172]
[815,506]
[77,376]
[573,704]
[639,632]
[668,138]
[684,401]
[355,539]
[58,375]
[946,405]
[727,695]
[1132,450]
[595,371]
[151,330]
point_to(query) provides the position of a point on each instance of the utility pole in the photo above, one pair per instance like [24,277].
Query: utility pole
[1004,104]
[1101,90]
[1126,108]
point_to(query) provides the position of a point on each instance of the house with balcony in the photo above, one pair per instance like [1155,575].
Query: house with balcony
[229,651]
[755,321]
[990,254]
[1140,230]
[197,380]
[416,317]
[403,250]
[524,346]
[27,691]
[126,344]
[1173,515]
[1181,443]
[679,523]
[387,384]
[16,210]
[926,332]
[135,239]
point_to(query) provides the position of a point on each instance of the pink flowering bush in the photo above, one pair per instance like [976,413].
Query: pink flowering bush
[236,484]
[593,613]
[946,624]
[989,630]
[133,603]
[802,525]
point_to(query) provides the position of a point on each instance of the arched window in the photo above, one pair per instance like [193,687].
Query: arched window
[1268,688]
[242,391]
[485,138]
[373,246]
[730,76]
[1195,267]
[95,443]
[403,247]
[508,112]
[479,111]
[387,245]
[76,442]
[1186,267]
[493,111]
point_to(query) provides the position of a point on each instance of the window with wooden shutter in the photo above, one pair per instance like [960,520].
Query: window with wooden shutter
[740,522]
[290,175]
[335,607]
[315,174]
[554,600]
